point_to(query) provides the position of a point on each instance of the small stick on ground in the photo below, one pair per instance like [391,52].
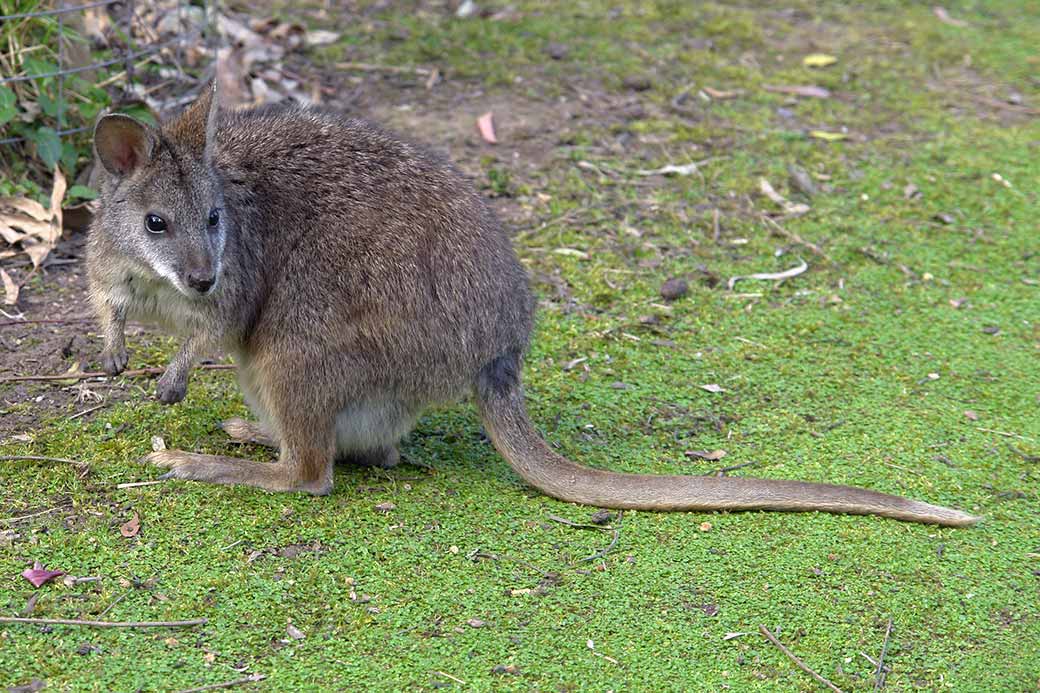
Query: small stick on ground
[36,458]
[87,411]
[1024,455]
[253,678]
[449,676]
[9,520]
[577,525]
[602,553]
[115,601]
[733,467]
[11,323]
[795,238]
[104,624]
[716,228]
[393,69]
[137,484]
[879,673]
[100,374]
[794,658]
[1006,434]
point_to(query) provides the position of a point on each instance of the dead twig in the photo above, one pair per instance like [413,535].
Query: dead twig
[722,470]
[104,624]
[795,238]
[88,411]
[252,678]
[879,673]
[449,676]
[100,374]
[794,658]
[138,484]
[1006,434]
[115,601]
[393,69]
[11,323]
[577,525]
[1024,455]
[602,553]
[599,553]
[10,520]
[37,458]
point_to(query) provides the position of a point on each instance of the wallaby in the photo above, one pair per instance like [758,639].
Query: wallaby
[356,278]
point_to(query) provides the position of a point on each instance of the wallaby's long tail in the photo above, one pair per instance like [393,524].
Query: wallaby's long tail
[501,401]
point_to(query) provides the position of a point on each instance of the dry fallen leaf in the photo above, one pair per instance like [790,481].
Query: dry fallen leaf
[320,37]
[572,252]
[10,289]
[704,527]
[38,576]
[712,455]
[57,195]
[712,387]
[828,136]
[27,206]
[671,170]
[945,17]
[132,527]
[793,208]
[970,415]
[294,632]
[384,507]
[818,60]
[486,125]
[806,90]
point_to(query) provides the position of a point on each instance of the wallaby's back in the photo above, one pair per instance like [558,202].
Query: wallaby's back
[361,237]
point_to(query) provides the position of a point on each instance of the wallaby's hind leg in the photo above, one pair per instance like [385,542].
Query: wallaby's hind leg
[304,461]
[242,431]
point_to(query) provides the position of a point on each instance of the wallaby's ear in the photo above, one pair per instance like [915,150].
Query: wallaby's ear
[211,120]
[196,127]
[123,144]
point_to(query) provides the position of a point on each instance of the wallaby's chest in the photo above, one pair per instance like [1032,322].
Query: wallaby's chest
[157,302]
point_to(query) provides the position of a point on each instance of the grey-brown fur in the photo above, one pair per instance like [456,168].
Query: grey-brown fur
[358,279]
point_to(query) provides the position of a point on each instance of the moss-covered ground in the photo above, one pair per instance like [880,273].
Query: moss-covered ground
[906,359]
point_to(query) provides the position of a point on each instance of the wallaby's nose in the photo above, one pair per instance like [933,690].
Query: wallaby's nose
[201,283]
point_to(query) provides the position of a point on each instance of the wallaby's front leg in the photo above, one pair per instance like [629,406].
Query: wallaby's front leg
[173,384]
[113,324]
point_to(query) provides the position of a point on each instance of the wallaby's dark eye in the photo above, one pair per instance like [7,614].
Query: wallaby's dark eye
[214,218]
[155,223]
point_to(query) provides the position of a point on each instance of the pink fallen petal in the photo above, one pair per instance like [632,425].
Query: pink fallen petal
[38,576]
[486,125]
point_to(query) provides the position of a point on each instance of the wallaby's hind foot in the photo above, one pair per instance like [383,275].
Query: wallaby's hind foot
[217,469]
[242,431]
[384,458]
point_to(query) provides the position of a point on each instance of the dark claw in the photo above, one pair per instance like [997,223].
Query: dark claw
[171,393]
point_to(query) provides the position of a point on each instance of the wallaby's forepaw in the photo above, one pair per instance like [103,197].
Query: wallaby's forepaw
[172,387]
[217,469]
[114,361]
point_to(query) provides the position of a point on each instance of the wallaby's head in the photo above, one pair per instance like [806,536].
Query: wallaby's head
[160,197]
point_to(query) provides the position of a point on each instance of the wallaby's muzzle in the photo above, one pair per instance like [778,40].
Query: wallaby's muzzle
[201,275]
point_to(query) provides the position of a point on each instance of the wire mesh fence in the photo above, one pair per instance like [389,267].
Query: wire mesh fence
[102,45]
